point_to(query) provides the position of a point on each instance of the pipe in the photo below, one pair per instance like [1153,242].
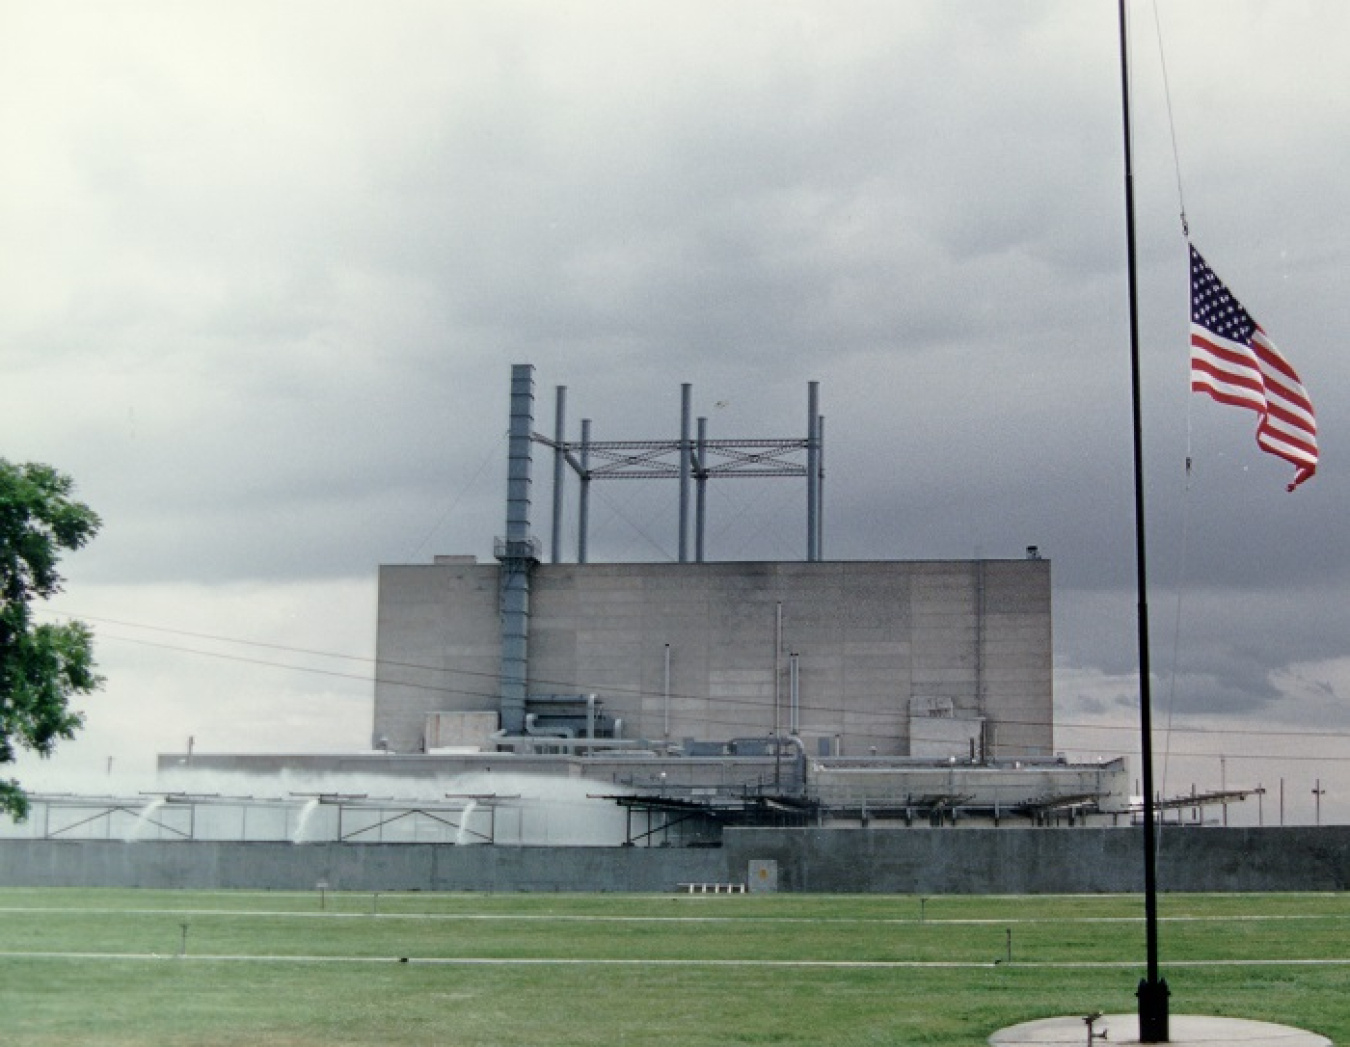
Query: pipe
[701,490]
[629,747]
[584,502]
[812,472]
[820,487]
[665,693]
[559,451]
[981,603]
[777,664]
[685,396]
[520,454]
[517,553]
[533,730]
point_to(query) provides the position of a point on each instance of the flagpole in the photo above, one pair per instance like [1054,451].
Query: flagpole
[1153,992]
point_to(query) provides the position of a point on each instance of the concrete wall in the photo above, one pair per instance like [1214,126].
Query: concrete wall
[922,861]
[438,646]
[870,637]
[351,867]
[1058,861]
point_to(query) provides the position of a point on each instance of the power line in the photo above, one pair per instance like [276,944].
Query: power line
[753,710]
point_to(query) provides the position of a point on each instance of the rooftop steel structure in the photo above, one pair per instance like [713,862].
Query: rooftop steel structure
[692,458]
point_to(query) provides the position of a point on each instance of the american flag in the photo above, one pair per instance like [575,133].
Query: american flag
[1234,362]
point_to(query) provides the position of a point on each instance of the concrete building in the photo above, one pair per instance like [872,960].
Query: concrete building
[856,659]
[705,695]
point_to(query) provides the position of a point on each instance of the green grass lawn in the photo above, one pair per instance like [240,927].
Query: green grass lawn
[480,970]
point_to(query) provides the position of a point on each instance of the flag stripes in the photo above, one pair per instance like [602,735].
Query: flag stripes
[1235,363]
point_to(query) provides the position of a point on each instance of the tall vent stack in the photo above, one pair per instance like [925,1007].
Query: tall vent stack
[518,553]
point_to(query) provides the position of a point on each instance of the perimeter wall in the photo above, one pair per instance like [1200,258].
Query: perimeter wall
[909,861]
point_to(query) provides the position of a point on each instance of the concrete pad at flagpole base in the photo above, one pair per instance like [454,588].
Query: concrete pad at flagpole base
[1184,1030]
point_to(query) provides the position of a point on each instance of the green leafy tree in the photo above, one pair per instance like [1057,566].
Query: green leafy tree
[42,666]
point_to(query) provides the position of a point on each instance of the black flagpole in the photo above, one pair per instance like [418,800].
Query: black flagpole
[1153,992]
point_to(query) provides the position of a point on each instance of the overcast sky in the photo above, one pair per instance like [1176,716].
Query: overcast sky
[264,269]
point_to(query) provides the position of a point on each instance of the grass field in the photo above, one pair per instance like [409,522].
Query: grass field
[210,969]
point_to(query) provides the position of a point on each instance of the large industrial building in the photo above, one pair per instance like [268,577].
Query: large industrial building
[701,694]
[889,659]
[743,717]
[816,690]
[854,659]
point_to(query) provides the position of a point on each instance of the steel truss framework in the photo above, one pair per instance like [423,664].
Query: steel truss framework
[177,816]
[692,460]
[660,459]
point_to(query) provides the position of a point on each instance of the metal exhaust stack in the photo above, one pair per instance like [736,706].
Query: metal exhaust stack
[518,553]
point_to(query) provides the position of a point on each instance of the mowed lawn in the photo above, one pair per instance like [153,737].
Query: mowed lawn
[496,970]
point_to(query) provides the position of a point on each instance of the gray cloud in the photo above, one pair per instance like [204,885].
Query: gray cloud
[277,261]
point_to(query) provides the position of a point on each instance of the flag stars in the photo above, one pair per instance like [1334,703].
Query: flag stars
[1234,362]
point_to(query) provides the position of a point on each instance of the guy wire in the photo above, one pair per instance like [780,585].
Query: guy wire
[1181,580]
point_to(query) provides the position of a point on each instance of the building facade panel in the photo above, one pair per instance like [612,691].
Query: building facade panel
[692,649]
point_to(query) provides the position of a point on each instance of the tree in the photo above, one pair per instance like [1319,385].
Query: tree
[42,666]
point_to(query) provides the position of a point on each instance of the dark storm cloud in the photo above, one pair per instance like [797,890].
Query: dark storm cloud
[279,260]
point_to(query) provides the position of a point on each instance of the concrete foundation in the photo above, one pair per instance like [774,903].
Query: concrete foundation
[1186,1030]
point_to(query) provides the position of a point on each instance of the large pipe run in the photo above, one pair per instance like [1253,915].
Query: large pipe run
[517,553]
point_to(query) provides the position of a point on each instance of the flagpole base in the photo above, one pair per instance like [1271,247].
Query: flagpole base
[1153,1011]
[1122,1030]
